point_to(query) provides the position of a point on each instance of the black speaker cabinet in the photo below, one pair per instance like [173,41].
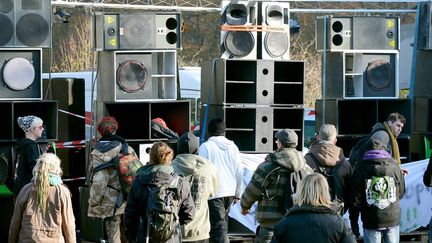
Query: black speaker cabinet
[25,23]
[252,128]
[357,33]
[422,110]
[69,93]
[356,117]
[137,75]
[239,44]
[257,82]
[423,74]
[275,40]
[425,26]
[352,74]
[20,74]
[134,118]
[137,31]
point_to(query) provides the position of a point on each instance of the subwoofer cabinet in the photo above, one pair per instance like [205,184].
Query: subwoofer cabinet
[356,117]
[362,74]
[252,82]
[252,128]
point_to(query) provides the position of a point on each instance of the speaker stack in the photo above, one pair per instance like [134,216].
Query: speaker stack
[25,30]
[254,86]
[422,99]
[362,77]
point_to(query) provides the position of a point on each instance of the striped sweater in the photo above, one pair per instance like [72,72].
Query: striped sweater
[293,164]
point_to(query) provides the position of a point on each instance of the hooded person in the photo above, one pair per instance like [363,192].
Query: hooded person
[105,188]
[140,221]
[225,156]
[27,150]
[291,167]
[203,177]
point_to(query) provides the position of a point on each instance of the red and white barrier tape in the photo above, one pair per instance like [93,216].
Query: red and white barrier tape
[71,144]
[87,119]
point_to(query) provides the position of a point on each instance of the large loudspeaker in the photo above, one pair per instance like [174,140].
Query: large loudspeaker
[20,74]
[25,23]
[252,82]
[423,74]
[238,44]
[275,42]
[425,26]
[357,33]
[252,128]
[137,31]
[176,115]
[137,75]
[356,117]
[362,74]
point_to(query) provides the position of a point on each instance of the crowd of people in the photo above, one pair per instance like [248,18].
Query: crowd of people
[184,194]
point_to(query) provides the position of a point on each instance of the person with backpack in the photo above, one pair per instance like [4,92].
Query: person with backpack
[203,178]
[387,132]
[378,185]
[27,150]
[106,199]
[274,182]
[159,201]
[225,156]
[326,158]
[311,219]
[43,209]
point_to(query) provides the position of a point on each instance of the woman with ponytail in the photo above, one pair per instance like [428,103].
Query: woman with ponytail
[43,208]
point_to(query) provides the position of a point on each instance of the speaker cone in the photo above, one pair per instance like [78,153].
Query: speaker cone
[32,29]
[131,76]
[379,74]
[276,43]
[7,30]
[239,44]
[18,73]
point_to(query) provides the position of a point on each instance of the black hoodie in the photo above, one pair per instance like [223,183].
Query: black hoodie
[27,151]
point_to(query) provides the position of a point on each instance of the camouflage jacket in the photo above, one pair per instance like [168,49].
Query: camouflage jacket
[105,186]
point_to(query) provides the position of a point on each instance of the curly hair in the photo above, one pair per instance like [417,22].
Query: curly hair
[161,153]
[107,125]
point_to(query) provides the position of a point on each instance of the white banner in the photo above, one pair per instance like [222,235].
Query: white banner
[415,205]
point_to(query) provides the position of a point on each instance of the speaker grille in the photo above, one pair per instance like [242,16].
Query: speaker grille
[379,74]
[136,31]
[32,29]
[7,30]
[6,6]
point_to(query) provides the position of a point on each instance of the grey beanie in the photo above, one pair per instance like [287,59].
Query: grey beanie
[188,143]
[27,122]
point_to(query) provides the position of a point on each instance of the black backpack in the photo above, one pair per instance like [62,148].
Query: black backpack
[163,204]
[337,204]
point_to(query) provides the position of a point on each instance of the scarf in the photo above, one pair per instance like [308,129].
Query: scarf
[113,137]
[394,144]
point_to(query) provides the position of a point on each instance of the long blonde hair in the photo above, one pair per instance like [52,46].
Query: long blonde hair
[313,190]
[46,164]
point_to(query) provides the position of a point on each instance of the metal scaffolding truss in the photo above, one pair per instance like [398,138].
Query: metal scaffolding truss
[214,5]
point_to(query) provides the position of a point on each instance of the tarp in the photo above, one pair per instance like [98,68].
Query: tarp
[415,205]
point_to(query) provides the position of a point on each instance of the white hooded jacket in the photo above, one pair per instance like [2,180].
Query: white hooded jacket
[225,156]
